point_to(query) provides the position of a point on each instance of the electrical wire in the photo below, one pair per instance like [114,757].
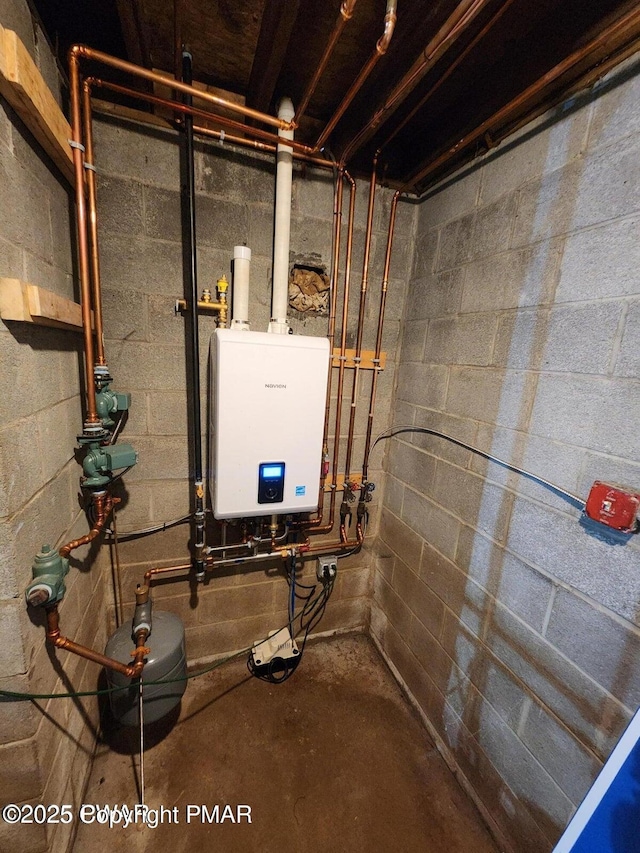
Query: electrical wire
[15,696]
[574,500]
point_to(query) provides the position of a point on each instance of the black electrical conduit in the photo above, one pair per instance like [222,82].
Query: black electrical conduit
[574,500]
[189,235]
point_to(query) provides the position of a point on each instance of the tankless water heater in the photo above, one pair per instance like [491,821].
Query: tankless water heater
[267,421]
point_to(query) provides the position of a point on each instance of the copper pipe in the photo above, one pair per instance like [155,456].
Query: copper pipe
[376,360]
[103,503]
[93,222]
[92,421]
[321,162]
[346,11]
[80,50]
[328,527]
[446,74]
[463,15]
[130,671]
[629,21]
[363,298]
[187,109]
[380,50]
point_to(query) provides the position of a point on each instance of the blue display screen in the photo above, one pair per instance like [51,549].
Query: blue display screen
[271,471]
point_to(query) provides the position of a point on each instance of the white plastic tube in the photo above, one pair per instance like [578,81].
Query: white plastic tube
[282,227]
[241,266]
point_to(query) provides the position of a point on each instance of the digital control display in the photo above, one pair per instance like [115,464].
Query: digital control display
[271,482]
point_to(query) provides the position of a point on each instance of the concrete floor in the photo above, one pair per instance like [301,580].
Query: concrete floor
[334,759]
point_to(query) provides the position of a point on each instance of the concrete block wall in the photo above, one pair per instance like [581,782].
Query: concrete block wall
[515,630]
[46,746]
[142,276]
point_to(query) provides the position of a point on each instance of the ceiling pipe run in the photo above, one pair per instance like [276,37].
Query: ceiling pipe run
[380,50]
[462,16]
[279,323]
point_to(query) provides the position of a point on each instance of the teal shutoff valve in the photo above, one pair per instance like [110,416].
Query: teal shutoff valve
[49,570]
[101,461]
[107,401]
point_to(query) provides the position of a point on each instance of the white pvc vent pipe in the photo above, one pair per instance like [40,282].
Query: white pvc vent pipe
[282,226]
[241,266]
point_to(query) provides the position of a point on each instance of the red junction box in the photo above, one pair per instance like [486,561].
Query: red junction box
[615,506]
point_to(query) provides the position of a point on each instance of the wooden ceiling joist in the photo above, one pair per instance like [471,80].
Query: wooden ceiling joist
[278,20]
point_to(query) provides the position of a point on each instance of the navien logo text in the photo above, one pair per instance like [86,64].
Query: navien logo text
[274,385]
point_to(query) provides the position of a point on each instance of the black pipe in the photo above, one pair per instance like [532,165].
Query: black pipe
[193,336]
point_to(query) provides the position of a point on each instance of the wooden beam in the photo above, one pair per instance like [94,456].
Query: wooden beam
[23,86]
[278,20]
[26,303]
[132,32]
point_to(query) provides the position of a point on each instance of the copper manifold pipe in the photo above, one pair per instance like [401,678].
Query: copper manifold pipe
[380,50]
[376,360]
[345,14]
[104,504]
[92,420]
[269,147]
[90,174]
[133,670]
[457,22]
[363,298]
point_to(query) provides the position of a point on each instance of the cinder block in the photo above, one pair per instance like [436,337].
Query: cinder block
[260,232]
[18,720]
[313,194]
[24,219]
[231,172]
[425,253]
[557,544]
[521,339]
[627,359]
[141,264]
[401,539]
[430,654]
[494,396]
[607,468]
[125,315]
[582,339]
[605,648]
[520,588]
[459,196]
[435,295]
[57,430]
[426,606]
[590,713]
[354,583]
[15,15]
[512,279]
[137,152]
[493,226]
[615,115]
[148,367]
[608,187]
[411,465]
[422,384]
[601,262]
[534,151]
[465,339]
[393,495]
[221,226]
[547,205]
[20,464]
[46,275]
[572,767]
[455,242]
[120,207]
[20,779]
[391,604]
[430,522]
[592,412]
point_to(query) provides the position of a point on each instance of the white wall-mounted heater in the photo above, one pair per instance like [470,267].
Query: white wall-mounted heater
[267,421]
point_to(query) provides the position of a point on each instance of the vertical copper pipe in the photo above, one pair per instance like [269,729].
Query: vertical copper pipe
[381,48]
[93,222]
[346,11]
[92,420]
[376,361]
[360,328]
[326,528]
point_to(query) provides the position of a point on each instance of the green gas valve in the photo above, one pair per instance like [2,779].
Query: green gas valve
[101,461]
[49,570]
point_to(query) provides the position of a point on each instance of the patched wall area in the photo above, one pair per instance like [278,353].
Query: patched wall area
[516,630]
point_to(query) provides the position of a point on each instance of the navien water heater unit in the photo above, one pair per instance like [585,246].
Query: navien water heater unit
[267,422]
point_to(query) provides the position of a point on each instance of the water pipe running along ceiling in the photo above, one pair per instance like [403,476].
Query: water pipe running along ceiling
[458,75]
